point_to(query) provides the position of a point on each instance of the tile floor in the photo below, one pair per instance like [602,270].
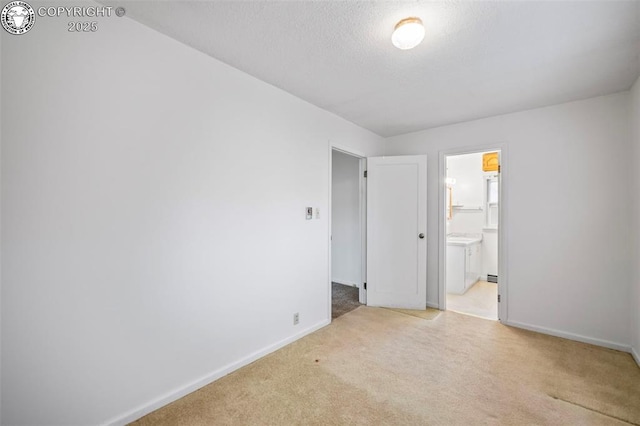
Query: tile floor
[481,300]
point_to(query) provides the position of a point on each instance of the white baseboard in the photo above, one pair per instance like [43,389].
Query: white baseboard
[570,336]
[178,393]
[346,282]
[635,355]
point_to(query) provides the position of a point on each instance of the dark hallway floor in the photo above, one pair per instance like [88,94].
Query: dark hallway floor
[344,299]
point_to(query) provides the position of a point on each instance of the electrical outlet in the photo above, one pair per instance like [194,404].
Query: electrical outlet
[296,318]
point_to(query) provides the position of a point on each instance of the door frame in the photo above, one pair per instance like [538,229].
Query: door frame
[503,221]
[362,167]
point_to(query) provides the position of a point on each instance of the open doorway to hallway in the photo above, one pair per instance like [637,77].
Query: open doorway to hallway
[472,203]
[347,232]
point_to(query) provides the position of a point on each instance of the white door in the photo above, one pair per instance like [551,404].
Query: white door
[396,231]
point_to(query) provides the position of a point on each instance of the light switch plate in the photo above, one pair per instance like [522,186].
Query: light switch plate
[309,213]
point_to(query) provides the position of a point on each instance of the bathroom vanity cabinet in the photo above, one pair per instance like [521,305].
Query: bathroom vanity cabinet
[464,263]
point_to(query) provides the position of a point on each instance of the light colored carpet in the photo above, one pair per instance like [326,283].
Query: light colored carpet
[480,300]
[428,314]
[377,366]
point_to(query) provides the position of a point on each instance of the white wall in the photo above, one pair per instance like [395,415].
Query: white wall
[568,238]
[489,253]
[469,191]
[346,251]
[153,222]
[635,225]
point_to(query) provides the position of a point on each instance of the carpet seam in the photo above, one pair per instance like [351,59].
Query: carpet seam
[594,410]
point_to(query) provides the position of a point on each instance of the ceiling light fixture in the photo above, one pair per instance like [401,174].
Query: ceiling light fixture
[408,33]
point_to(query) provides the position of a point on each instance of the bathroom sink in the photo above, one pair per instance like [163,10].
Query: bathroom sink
[463,241]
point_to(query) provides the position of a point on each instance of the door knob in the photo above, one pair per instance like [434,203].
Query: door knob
[421,236]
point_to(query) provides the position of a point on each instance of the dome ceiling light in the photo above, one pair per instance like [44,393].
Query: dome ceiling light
[408,33]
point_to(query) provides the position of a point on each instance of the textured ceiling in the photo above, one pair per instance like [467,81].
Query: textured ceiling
[478,59]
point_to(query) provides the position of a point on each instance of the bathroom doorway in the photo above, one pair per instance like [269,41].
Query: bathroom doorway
[470,238]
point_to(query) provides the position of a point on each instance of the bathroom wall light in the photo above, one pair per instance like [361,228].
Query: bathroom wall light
[408,33]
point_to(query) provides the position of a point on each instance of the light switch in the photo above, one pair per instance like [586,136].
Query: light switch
[309,213]
[317,213]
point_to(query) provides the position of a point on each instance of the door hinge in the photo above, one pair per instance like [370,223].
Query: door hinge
[498,298]
[499,168]
[365,286]
[365,173]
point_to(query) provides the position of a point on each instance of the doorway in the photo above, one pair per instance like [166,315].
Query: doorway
[392,229]
[471,278]
[347,270]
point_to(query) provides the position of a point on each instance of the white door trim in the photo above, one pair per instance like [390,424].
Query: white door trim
[503,220]
[363,218]
[363,230]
